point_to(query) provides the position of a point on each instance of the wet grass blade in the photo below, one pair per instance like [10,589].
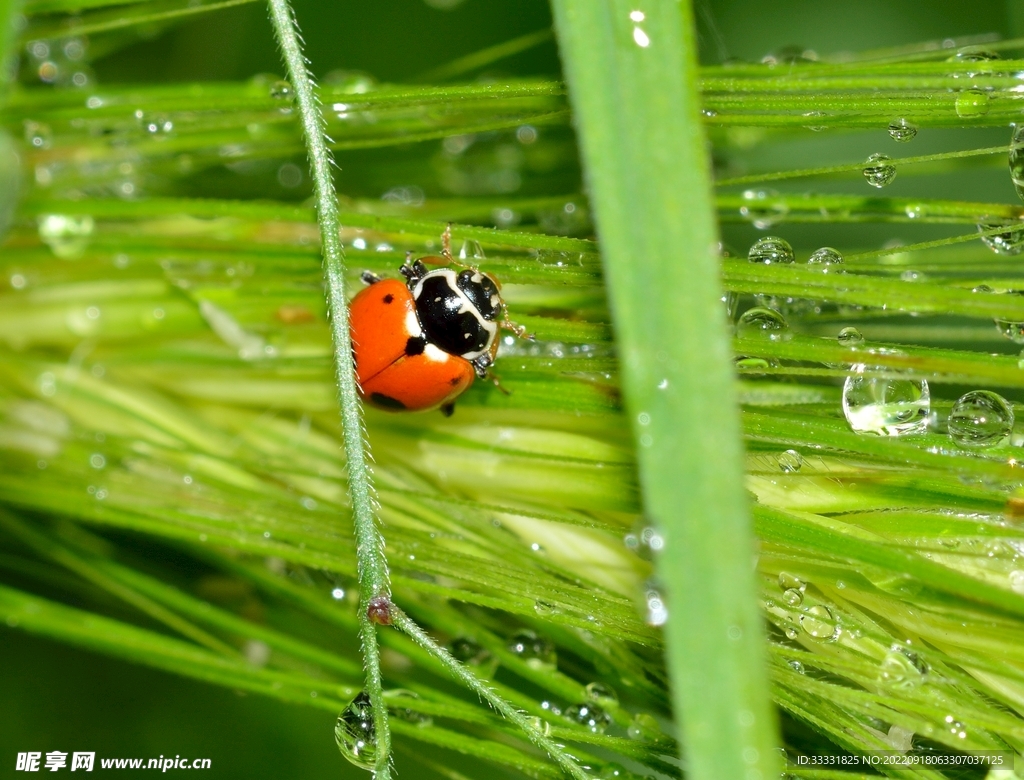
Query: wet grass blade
[633,84]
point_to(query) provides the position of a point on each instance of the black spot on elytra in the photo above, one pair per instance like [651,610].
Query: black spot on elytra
[415,346]
[386,401]
[453,381]
[389,298]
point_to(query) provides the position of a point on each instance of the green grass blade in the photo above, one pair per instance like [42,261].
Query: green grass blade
[633,84]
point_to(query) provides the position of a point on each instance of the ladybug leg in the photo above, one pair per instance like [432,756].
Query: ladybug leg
[448,409]
[369,278]
[482,364]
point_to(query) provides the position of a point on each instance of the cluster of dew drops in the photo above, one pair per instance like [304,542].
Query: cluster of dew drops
[355,733]
[888,405]
[881,405]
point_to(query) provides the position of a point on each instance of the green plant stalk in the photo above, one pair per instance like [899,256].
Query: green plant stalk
[632,79]
[372,565]
[404,623]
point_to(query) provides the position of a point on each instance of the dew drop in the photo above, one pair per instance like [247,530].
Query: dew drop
[601,693]
[971,103]
[760,323]
[902,669]
[885,406]
[1009,242]
[468,651]
[771,250]
[545,608]
[281,90]
[901,131]
[790,462]
[1016,578]
[355,733]
[537,651]
[1011,329]
[539,725]
[643,727]
[879,170]
[819,623]
[66,235]
[787,581]
[589,715]
[349,82]
[980,418]
[792,597]
[656,609]
[850,337]
[763,208]
[403,711]
[471,250]
[796,666]
[827,260]
[644,539]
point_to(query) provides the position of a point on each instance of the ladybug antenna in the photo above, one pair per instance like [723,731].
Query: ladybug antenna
[517,329]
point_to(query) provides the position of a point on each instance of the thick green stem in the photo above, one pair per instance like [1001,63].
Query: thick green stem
[632,74]
[373,569]
[463,675]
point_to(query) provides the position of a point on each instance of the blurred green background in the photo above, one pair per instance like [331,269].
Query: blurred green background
[57,698]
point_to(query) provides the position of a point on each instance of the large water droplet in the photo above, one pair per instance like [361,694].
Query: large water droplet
[827,260]
[971,103]
[980,418]
[819,623]
[901,130]
[763,208]
[1009,242]
[850,337]
[790,461]
[355,733]
[67,235]
[764,324]
[1012,329]
[879,170]
[771,250]
[537,651]
[589,715]
[885,406]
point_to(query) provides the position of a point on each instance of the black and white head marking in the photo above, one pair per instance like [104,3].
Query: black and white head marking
[459,310]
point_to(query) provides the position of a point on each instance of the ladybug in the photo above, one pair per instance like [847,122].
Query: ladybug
[419,344]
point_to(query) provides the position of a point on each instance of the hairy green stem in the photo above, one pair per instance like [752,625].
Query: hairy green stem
[372,565]
[557,752]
